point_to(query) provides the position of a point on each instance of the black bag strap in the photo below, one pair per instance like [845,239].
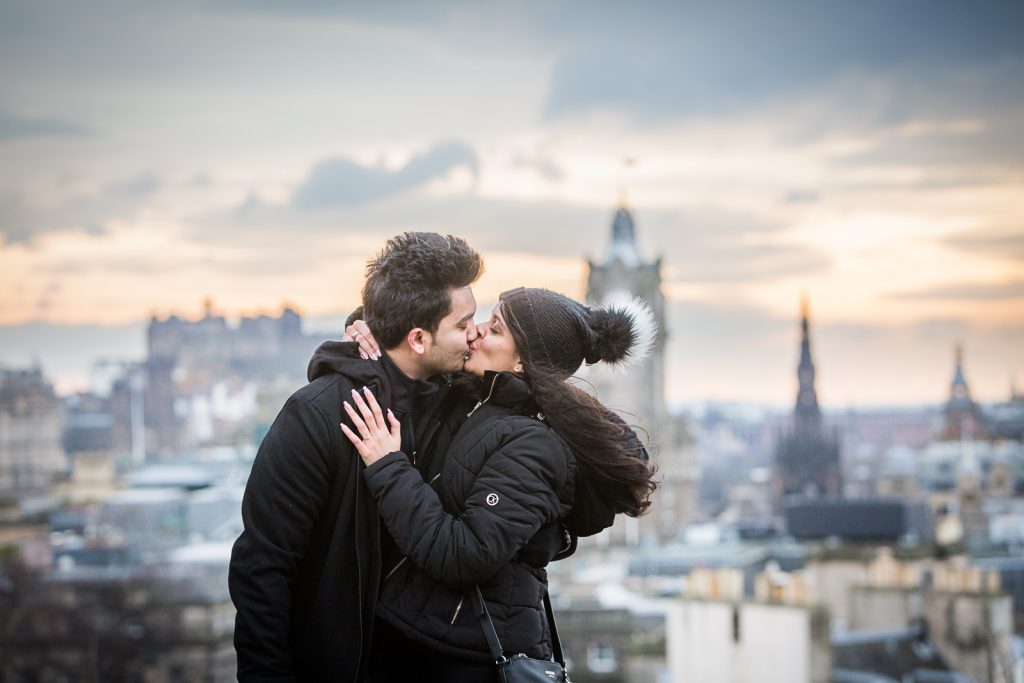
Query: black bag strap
[556,643]
[488,626]
[491,635]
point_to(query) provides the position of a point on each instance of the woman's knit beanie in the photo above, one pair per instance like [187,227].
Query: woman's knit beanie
[562,333]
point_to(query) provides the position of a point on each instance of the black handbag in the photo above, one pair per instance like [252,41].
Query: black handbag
[519,668]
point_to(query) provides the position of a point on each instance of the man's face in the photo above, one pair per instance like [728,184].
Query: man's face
[446,349]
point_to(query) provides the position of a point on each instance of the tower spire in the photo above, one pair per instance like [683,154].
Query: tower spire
[807,457]
[622,247]
[959,392]
[807,409]
[962,417]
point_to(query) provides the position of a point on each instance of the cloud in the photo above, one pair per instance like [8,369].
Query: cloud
[118,200]
[680,60]
[145,184]
[546,168]
[999,144]
[388,13]
[14,127]
[341,182]
[802,197]
[968,291]
[714,245]
[701,244]
[1001,243]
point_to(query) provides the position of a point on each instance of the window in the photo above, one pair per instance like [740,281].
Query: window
[601,658]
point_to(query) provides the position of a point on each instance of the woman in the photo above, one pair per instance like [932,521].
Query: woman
[531,448]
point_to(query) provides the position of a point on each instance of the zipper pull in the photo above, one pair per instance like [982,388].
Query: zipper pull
[490,393]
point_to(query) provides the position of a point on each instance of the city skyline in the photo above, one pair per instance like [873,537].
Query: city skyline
[869,157]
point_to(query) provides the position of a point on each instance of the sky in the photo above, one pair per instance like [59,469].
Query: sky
[868,155]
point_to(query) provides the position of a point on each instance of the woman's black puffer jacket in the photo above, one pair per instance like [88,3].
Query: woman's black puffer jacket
[505,476]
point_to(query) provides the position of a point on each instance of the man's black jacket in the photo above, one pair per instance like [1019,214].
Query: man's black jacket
[305,572]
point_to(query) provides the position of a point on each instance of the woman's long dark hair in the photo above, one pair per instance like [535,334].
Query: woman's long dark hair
[608,456]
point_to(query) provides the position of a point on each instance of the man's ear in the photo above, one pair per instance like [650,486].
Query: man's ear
[416,339]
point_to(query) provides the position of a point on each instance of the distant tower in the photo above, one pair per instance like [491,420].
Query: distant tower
[624,274]
[807,414]
[962,418]
[639,393]
[807,457]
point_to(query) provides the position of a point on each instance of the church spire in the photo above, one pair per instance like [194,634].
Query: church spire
[962,416]
[807,459]
[807,410]
[959,392]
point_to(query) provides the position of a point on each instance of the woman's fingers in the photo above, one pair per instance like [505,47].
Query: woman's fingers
[371,401]
[366,341]
[352,334]
[378,438]
[374,439]
[357,421]
[371,419]
[359,332]
[356,441]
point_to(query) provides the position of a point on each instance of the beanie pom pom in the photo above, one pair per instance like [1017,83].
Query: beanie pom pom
[624,331]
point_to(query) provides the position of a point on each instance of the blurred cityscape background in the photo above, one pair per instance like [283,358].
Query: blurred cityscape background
[822,202]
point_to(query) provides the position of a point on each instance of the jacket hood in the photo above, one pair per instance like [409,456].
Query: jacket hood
[342,358]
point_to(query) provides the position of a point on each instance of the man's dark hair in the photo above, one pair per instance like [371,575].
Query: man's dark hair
[408,283]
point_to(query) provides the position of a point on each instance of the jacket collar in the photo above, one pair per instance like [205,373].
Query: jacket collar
[507,390]
[405,391]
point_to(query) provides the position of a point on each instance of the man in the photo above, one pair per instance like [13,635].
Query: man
[305,572]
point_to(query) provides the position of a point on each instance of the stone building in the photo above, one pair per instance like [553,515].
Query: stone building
[885,620]
[638,394]
[717,635]
[167,625]
[31,453]
[201,380]
[968,615]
